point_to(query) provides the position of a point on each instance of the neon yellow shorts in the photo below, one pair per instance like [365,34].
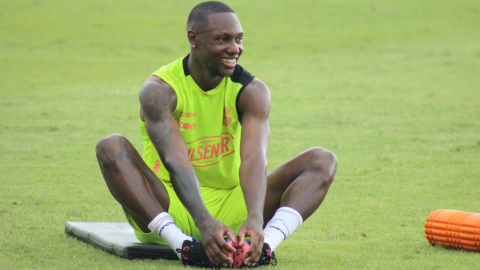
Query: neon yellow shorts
[226,205]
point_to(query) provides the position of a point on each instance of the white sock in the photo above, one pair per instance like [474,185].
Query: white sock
[163,226]
[284,222]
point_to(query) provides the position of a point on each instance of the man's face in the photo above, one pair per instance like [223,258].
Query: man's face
[220,44]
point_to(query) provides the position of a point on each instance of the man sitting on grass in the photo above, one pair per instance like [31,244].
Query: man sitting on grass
[201,186]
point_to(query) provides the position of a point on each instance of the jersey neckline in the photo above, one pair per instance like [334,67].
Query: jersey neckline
[197,88]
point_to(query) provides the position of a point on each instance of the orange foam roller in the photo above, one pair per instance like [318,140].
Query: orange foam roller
[454,229]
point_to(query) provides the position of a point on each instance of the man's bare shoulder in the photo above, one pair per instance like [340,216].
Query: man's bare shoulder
[156,96]
[255,98]
[255,90]
[155,84]
[257,86]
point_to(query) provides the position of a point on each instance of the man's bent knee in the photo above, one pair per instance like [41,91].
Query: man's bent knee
[108,148]
[324,161]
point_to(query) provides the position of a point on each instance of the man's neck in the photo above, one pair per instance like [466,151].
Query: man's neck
[202,77]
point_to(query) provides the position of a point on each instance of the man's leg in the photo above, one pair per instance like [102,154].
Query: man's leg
[137,189]
[130,180]
[296,189]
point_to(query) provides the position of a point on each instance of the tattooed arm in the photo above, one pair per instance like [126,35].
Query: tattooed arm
[158,100]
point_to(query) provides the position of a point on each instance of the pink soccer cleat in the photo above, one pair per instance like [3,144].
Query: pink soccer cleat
[239,256]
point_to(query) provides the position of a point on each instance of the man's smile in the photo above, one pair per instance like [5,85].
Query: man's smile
[229,62]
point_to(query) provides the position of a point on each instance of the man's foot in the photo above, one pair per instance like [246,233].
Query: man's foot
[238,257]
[193,254]
[231,255]
[267,257]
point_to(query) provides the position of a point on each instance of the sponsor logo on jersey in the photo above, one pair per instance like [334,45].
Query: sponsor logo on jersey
[188,114]
[227,118]
[208,151]
[157,166]
[185,125]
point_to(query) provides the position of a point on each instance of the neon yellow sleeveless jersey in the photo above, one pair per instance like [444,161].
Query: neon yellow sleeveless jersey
[209,124]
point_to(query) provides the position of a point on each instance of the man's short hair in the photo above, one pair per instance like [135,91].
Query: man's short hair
[198,17]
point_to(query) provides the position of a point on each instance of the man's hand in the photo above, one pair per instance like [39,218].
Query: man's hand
[212,232]
[253,228]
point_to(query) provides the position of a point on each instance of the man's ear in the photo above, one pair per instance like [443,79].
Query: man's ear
[192,38]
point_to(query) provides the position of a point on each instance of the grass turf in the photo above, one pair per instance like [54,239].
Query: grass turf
[392,88]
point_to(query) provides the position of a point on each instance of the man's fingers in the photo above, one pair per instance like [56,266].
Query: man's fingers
[254,252]
[241,237]
[225,246]
[216,255]
[249,254]
[231,235]
[222,259]
[210,254]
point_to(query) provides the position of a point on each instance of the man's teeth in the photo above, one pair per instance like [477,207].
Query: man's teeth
[228,60]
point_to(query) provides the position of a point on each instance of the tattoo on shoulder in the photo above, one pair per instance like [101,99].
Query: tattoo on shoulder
[156,102]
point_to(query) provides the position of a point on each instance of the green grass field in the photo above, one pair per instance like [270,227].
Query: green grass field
[392,87]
